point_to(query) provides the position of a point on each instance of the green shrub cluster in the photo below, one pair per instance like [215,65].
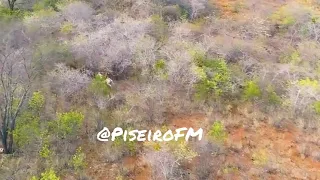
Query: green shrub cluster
[28,124]
[215,77]
[217,132]
[67,123]
[251,91]
[99,86]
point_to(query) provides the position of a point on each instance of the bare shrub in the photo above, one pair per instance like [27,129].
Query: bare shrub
[67,81]
[181,69]
[112,55]
[149,102]
[77,12]
[164,165]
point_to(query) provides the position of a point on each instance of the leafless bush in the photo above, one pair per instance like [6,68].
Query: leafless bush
[119,5]
[164,165]
[68,81]
[77,12]
[142,8]
[149,102]
[111,49]
[180,66]
[39,26]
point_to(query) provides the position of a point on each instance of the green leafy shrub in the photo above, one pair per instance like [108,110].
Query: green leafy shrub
[131,146]
[99,85]
[215,77]
[78,160]
[273,98]
[293,58]
[46,4]
[217,132]
[37,101]
[49,175]
[45,152]
[160,68]
[283,17]
[251,90]
[6,14]
[66,27]
[316,107]
[27,127]
[68,123]
[182,151]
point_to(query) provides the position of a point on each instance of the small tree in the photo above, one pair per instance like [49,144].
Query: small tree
[16,75]
[251,91]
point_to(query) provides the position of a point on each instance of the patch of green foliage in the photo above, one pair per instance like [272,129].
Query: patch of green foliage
[28,123]
[273,98]
[293,58]
[130,145]
[66,27]
[251,91]
[37,101]
[45,151]
[283,17]
[49,175]
[27,129]
[217,132]
[99,86]
[160,68]
[7,15]
[307,82]
[46,4]
[215,77]
[316,107]
[184,14]
[181,150]
[68,123]
[78,160]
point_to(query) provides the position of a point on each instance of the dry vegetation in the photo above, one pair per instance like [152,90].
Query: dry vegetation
[246,71]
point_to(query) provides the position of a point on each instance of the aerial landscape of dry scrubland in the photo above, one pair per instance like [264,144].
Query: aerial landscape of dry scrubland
[244,74]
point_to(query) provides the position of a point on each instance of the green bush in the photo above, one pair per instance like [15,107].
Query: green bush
[283,17]
[27,127]
[316,107]
[6,14]
[273,98]
[251,91]
[45,152]
[217,132]
[49,175]
[99,86]
[66,27]
[293,58]
[68,123]
[160,68]
[46,4]
[37,101]
[215,77]
[78,160]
